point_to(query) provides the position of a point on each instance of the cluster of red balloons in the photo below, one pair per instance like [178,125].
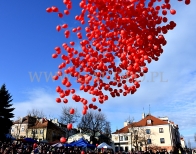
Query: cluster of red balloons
[121,37]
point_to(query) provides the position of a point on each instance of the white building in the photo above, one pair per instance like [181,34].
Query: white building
[150,133]
[183,143]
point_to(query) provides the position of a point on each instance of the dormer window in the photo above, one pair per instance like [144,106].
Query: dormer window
[149,121]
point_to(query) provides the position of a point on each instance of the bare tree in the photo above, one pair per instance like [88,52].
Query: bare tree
[36,113]
[67,118]
[195,137]
[134,132]
[139,135]
[107,129]
[94,122]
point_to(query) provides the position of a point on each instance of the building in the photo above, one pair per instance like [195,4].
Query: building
[150,133]
[40,129]
[20,127]
[183,143]
[44,129]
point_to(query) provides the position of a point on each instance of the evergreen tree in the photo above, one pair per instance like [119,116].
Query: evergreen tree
[5,112]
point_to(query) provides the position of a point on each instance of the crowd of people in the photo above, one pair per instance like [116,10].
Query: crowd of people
[43,148]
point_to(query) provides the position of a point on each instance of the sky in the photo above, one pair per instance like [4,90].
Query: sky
[28,38]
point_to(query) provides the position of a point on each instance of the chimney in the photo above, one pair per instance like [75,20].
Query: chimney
[41,120]
[143,115]
[126,123]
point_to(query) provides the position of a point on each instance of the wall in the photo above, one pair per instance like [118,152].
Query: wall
[40,133]
[19,130]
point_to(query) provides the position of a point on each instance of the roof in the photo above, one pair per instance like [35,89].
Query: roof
[24,121]
[44,124]
[142,123]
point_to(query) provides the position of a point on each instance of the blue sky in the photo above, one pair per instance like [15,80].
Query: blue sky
[28,38]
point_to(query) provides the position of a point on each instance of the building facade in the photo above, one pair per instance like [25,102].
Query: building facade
[20,127]
[183,143]
[150,133]
[40,129]
[45,129]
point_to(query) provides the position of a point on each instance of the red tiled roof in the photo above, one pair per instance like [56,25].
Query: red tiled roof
[44,124]
[154,121]
[38,124]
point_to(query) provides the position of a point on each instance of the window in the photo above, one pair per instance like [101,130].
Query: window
[147,131]
[148,141]
[162,140]
[148,121]
[22,128]
[160,130]
[116,149]
[126,138]
[126,149]
[121,138]
[121,149]
[41,131]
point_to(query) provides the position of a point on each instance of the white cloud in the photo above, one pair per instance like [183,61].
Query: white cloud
[43,99]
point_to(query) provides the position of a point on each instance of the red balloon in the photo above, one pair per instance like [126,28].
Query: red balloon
[66,12]
[58,100]
[64,26]
[172,11]
[62,139]
[55,9]
[58,28]
[94,99]
[187,2]
[60,15]
[54,55]
[65,100]
[35,145]
[71,111]
[55,77]
[69,126]
[84,111]
[49,10]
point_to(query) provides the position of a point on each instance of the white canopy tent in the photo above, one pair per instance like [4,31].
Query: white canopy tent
[58,145]
[104,145]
